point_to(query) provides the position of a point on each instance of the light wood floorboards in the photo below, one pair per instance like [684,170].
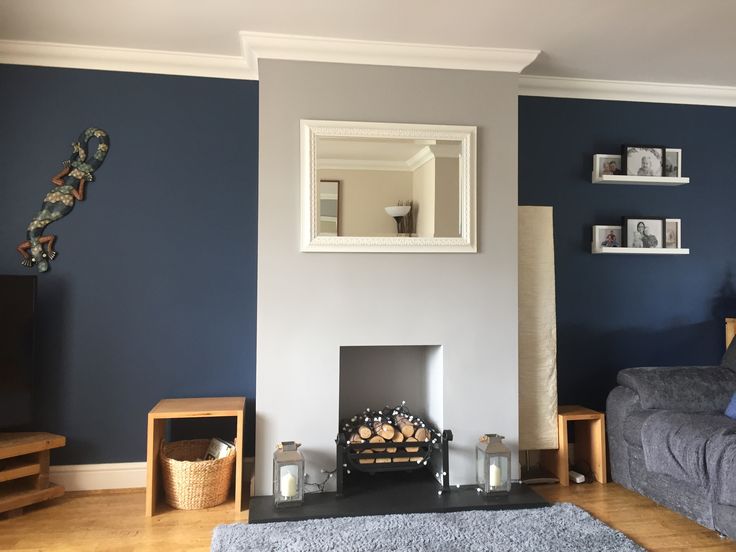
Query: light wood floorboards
[114,522]
[652,526]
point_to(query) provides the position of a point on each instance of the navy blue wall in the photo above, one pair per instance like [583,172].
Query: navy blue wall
[614,312]
[153,293]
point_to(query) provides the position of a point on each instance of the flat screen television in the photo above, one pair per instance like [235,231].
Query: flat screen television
[17,350]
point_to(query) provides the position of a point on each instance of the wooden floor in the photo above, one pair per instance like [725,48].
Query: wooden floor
[652,526]
[114,522]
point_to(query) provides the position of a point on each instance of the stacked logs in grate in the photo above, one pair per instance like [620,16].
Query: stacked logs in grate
[386,427]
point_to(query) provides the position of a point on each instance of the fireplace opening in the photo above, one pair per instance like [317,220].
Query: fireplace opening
[391,416]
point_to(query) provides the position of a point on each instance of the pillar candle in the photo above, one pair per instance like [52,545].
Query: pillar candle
[288,485]
[494,477]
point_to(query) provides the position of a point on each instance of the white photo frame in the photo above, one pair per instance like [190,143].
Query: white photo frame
[673,163]
[602,164]
[606,236]
[673,233]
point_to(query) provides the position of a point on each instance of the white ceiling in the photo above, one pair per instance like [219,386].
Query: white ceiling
[673,41]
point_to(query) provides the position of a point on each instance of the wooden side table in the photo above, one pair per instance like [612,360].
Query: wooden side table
[168,409]
[730,330]
[24,470]
[590,443]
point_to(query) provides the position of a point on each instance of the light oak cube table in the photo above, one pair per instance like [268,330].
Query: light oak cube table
[590,443]
[169,409]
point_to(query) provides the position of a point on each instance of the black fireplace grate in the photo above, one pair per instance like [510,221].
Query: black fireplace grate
[431,455]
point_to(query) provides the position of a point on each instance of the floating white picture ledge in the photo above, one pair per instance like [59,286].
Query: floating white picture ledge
[640,180]
[637,251]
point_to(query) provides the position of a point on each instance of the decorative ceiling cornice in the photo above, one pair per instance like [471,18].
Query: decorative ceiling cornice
[50,54]
[277,46]
[628,91]
[369,52]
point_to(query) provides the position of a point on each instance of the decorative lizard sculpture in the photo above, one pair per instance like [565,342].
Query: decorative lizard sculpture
[69,187]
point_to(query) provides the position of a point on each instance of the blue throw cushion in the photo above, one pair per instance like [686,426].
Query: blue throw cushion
[731,409]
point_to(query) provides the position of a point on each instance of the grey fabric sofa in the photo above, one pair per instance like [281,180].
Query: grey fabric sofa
[668,439]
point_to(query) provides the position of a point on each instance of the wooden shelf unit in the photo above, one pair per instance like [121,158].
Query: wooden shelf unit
[24,470]
[208,407]
[629,180]
[637,250]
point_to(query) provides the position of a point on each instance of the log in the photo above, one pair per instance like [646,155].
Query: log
[397,438]
[355,438]
[383,460]
[422,434]
[383,429]
[366,460]
[405,426]
[399,459]
[365,432]
[411,449]
[377,439]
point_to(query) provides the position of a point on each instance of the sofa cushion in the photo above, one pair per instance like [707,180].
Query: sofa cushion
[696,448]
[683,388]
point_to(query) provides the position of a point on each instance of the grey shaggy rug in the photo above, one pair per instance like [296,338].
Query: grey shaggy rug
[558,528]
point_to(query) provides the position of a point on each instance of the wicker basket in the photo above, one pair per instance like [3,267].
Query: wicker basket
[192,484]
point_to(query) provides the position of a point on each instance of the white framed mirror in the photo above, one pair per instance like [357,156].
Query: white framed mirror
[388,187]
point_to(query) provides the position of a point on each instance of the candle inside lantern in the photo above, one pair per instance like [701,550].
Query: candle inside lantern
[494,477]
[288,484]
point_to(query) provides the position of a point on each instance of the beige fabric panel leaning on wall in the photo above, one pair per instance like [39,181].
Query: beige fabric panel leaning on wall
[537,330]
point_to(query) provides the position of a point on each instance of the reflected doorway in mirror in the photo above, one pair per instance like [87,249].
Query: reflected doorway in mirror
[329,207]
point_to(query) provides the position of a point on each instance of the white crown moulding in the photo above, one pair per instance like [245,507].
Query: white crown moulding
[627,91]
[257,46]
[51,54]
[307,48]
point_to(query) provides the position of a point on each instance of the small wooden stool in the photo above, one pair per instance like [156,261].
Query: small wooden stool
[169,409]
[590,443]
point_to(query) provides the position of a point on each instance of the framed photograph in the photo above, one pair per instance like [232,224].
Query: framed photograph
[606,164]
[606,236]
[643,160]
[673,234]
[673,162]
[645,232]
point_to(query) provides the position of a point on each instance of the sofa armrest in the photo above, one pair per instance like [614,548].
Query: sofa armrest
[622,402]
[683,388]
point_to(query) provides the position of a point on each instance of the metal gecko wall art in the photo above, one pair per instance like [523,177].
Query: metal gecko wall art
[68,188]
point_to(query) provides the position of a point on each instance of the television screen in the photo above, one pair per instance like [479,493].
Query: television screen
[17,306]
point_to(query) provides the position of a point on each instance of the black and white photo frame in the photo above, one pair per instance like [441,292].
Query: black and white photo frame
[643,232]
[638,160]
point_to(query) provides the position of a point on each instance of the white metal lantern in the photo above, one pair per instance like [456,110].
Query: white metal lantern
[288,475]
[493,462]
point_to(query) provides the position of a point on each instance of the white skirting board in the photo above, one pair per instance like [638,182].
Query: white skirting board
[94,477]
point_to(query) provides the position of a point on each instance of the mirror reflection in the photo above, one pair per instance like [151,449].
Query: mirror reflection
[388,187]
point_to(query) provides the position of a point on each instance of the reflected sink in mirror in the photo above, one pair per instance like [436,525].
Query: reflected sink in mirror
[398,210]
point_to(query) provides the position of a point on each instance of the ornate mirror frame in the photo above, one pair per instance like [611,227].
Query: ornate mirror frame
[311,241]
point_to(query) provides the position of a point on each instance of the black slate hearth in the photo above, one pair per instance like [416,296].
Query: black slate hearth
[392,493]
